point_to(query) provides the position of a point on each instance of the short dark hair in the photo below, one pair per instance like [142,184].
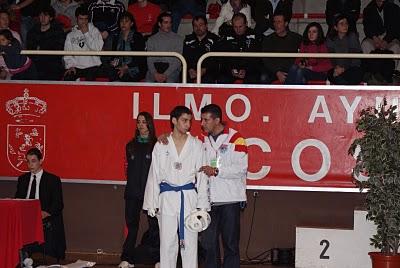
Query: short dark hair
[163,15]
[48,10]
[7,34]
[82,10]
[283,14]
[4,11]
[214,110]
[239,15]
[177,112]
[199,17]
[320,37]
[35,151]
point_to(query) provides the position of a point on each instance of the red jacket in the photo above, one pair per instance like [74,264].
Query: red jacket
[317,64]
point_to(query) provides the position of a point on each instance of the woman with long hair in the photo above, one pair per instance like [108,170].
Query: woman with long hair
[138,159]
[128,68]
[341,40]
[306,69]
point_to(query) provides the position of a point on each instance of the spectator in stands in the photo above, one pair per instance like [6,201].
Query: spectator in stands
[65,13]
[263,12]
[19,66]
[348,8]
[83,37]
[105,16]
[223,24]
[381,27]
[306,69]
[29,10]
[243,39]
[124,68]
[48,34]
[164,69]
[282,40]
[4,24]
[342,40]
[195,45]
[182,7]
[145,14]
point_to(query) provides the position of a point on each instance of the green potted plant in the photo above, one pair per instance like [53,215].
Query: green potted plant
[377,154]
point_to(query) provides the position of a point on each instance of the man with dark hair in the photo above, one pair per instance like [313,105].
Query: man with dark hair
[263,11]
[282,40]
[164,69]
[227,161]
[48,34]
[175,188]
[382,32]
[83,37]
[39,184]
[242,39]
[348,8]
[195,45]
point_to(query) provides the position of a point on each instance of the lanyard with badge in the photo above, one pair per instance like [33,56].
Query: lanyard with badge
[215,161]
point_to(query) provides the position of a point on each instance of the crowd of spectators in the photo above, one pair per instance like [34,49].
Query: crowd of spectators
[121,25]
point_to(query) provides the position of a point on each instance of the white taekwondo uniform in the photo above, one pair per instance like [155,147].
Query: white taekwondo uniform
[175,170]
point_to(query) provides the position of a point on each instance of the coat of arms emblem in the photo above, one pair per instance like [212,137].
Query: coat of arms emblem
[25,134]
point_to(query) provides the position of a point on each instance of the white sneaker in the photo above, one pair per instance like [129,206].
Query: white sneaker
[157,265]
[125,264]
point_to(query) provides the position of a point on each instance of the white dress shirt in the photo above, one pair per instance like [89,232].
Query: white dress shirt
[38,177]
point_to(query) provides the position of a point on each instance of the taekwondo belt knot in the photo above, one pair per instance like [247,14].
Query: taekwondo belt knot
[165,187]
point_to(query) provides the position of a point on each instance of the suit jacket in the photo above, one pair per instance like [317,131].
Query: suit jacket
[51,201]
[373,24]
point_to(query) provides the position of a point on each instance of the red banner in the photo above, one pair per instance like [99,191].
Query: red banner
[297,137]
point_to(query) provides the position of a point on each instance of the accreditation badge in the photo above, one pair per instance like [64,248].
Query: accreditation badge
[213,163]
[178,165]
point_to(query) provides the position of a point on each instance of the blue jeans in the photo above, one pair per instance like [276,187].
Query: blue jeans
[225,221]
[300,76]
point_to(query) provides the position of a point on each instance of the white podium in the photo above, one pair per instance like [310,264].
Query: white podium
[335,248]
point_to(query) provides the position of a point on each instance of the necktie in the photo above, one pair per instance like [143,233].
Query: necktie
[33,188]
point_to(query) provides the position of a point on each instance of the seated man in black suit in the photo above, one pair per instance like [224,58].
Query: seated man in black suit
[39,184]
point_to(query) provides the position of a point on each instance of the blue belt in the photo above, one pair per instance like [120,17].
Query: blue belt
[165,187]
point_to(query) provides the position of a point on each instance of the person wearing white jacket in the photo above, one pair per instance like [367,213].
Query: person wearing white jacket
[229,9]
[227,162]
[83,37]
[175,188]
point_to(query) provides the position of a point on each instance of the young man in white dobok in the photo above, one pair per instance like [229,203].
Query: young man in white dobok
[175,188]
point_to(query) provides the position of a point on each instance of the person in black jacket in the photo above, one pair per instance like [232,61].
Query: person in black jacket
[39,184]
[48,34]
[348,8]
[127,68]
[243,39]
[263,11]
[195,45]
[382,31]
[138,158]
[381,26]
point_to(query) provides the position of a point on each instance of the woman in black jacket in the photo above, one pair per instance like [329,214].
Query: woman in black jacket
[128,68]
[138,158]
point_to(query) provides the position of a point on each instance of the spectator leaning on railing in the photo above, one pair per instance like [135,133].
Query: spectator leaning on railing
[195,45]
[243,39]
[341,40]
[164,69]
[47,34]
[83,37]
[306,69]
[282,40]
[4,25]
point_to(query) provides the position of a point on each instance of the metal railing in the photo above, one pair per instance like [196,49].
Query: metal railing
[290,55]
[113,53]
